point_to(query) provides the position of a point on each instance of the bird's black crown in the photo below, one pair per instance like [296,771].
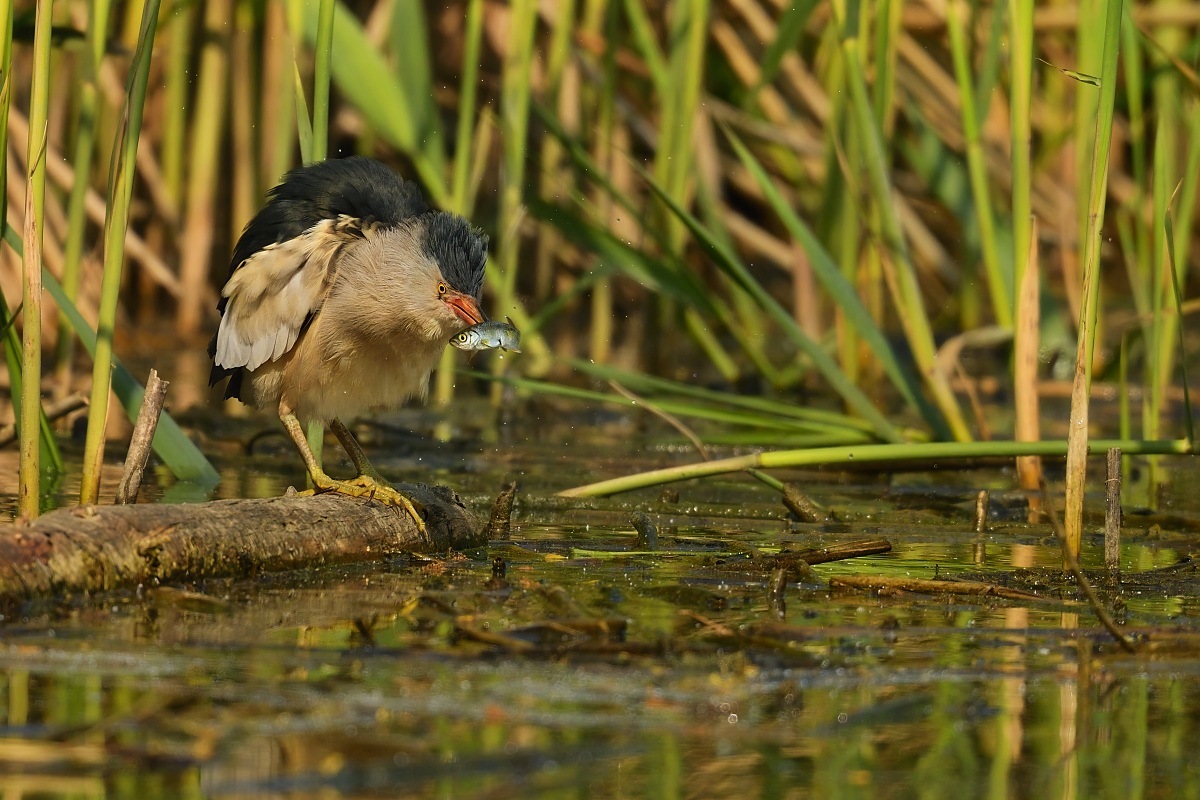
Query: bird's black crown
[459,248]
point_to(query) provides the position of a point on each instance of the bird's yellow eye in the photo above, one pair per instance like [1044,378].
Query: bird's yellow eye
[442,289]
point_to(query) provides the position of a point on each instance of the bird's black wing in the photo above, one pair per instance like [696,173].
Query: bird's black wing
[356,187]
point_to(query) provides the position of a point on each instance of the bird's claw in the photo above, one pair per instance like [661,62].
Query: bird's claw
[374,489]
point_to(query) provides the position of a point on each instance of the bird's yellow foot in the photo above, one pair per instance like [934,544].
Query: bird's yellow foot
[374,489]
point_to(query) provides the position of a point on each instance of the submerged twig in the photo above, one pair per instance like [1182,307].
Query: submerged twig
[1080,578]
[563,602]
[54,410]
[802,506]
[840,552]
[647,532]
[776,592]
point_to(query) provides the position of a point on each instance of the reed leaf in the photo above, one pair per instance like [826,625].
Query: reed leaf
[729,263]
[171,444]
[819,419]
[769,424]
[840,290]
[647,270]
[867,454]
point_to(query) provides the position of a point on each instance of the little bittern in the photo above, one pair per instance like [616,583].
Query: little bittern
[342,292]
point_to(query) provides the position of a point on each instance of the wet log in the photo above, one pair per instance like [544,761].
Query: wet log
[99,548]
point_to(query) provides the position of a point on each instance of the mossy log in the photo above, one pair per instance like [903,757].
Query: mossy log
[98,548]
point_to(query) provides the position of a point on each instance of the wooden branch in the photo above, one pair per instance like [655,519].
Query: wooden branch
[98,548]
[877,583]
[837,552]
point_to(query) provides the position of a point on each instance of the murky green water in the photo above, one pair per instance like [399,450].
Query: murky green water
[587,669]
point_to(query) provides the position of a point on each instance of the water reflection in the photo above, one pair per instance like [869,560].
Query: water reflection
[429,677]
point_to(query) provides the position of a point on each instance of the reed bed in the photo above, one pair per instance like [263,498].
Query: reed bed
[824,200]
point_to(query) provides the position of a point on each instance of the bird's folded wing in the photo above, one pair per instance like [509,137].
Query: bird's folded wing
[273,294]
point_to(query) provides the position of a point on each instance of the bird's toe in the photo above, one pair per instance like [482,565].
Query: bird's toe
[375,489]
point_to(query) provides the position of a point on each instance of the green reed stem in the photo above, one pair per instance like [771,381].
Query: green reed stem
[175,102]
[515,94]
[323,51]
[867,454]
[468,89]
[443,386]
[321,70]
[296,27]
[85,146]
[204,165]
[1177,295]
[999,280]
[10,341]
[28,502]
[1026,310]
[115,223]
[1157,328]
[1078,430]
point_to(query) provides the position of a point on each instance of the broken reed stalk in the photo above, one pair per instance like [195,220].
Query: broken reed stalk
[1026,344]
[982,502]
[142,439]
[1112,511]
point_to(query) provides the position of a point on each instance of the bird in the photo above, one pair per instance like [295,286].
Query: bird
[343,290]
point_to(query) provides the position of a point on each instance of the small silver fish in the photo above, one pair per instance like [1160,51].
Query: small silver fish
[489,335]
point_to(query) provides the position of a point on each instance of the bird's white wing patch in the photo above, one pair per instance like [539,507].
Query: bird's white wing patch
[274,291]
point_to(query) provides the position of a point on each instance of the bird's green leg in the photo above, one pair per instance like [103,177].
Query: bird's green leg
[368,484]
[354,450]
[367,474]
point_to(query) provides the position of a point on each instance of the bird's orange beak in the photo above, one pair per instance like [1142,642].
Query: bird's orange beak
[465,308]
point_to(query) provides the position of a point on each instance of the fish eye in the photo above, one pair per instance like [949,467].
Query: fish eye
[462,337]
[441,290]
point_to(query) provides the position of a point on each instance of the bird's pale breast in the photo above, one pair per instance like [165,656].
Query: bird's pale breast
[324,377]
